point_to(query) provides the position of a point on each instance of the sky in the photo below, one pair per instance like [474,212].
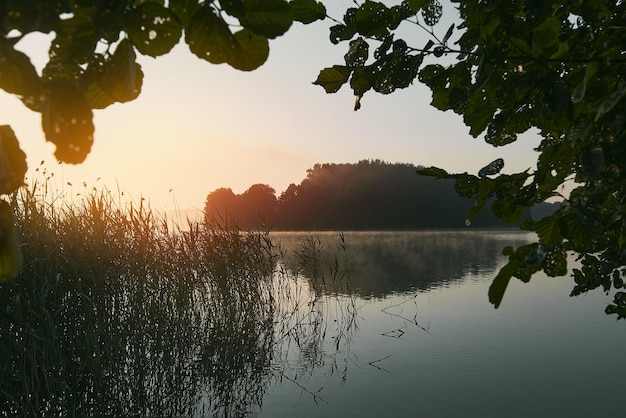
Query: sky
[197,126]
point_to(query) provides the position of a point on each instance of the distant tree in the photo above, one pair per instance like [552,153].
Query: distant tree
[372,195]
[221,205]
[258,205]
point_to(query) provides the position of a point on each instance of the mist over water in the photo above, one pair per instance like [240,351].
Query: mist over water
[430,344]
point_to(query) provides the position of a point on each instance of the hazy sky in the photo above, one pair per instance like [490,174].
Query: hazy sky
[198,126]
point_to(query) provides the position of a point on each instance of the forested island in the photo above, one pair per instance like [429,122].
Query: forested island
[368,195]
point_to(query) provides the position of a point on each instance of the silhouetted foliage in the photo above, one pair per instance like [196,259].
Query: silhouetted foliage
[370,194]
[255,207]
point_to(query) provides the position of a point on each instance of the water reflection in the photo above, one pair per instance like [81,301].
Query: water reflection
[432,345]
[383,263]
[354,324]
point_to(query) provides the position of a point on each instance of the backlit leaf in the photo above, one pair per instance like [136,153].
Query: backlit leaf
[67,121]
[432,13]
[609,102]
[433,172]
[153,29]
[269,18]
[184,9]
[362,80]
[372,18]
[333,78]
[466,185]
[357,53]
[500,283]
[546,37]
[233,7]
[122,76]
[307,11]
[17,74]
[416,5]
[209,37]
[341,33]
[492,168]
[548,229]
[252,52]
[12,161]
[507,210]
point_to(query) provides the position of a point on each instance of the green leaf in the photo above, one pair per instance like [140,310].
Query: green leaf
[492,168]
[416,5]
[507,210]
[233,7]
[477,118]
[13,161]
[358,53]
[434,76]
[433,172]
[252,52]
[610,101]
[490,26]
[448,34]
[184,9]
[341,33]
[396,71]
[153,29]
[574,228]
[500,283]
[269,18]
[546,37]
[333,78]
[555,263]
[362,80]
[579,92]
[17,74]
[432,12]
[67,121]
[548,229]
[372,18]
[441,99]
[209,37]
[97,98]
[307,11]
[74,43]
[122,76]
[383,48]
[466,185]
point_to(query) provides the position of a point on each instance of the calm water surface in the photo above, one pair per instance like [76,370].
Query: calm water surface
[429,343]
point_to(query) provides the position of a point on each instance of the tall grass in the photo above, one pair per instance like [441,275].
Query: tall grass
[115,314]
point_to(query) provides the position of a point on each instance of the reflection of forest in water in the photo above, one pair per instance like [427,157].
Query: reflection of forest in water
[381,263]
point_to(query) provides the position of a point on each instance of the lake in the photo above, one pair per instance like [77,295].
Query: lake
[418,336]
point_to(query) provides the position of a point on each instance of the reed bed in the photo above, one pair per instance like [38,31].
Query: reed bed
[116,314]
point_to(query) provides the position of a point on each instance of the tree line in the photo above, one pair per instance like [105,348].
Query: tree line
[370,194]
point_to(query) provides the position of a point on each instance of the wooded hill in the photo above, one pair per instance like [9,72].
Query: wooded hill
[368,195]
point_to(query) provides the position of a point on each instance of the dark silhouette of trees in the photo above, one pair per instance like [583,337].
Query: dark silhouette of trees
[256,207]
[222,204]
[370,194]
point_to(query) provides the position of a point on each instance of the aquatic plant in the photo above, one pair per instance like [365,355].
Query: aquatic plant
[117,313]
